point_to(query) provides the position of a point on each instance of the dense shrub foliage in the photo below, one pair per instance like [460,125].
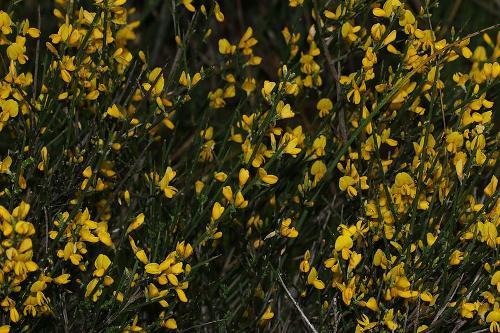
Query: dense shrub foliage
[332,169]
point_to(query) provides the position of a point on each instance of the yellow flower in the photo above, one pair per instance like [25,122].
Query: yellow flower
[454,141]
[87,173]
[156,78]
[45,157]
[339,11]
[319,145]
[388,9]
[188,5]
[199,185]
[168,190]
[138,221]
[354,260]
[318,170]
[90,288]
[493,316]
[285,229]
[431,239]
[249,85]
[427,297]
[495,280]
[247,42]
[5,27]
[141,255]
[10,107]
[377,31]
[225,47]
[371,304]
[456,258]
[295,3]
[217,211]
[488,233]
[343,244]
[349,31]
[16,50]
[324,106]
[467,309]
[389,320]
[313,280]
[5,164]
[346,183]
[114,112]
[491,188]
[290,144]
[62,279]
[14,315]
[268,314]
[380,259]
[266,178]
[304,264]
[133,327]
[364,324]
[153,268]
[70,253]
[239,200]
[227,192]
[390,38]
[101,264]
[355,92]
[267,89]
[403,191]
[219,16]
[347,291]
[170,323]
[217,99]
[186,80]
[243,177]
[67,66]
[284,110]
[184,250]
[181,295]
[220,176]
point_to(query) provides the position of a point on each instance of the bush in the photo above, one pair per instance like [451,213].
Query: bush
[333,170]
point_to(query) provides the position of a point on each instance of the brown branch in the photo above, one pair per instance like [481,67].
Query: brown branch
[302,314]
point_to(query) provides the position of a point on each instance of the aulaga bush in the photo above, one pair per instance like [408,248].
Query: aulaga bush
[345,181]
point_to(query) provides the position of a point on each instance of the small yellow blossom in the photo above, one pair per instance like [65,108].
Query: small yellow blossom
[313,280]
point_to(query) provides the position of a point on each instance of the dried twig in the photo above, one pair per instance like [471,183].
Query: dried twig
[302,314]
[445,305]
[203,325]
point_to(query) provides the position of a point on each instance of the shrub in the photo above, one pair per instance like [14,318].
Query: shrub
[341,176]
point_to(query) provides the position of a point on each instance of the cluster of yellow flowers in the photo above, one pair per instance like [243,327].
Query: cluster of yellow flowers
[367,178]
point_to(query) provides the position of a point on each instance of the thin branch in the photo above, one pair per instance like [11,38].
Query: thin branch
[445,305]
[203,325]
[302,314]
